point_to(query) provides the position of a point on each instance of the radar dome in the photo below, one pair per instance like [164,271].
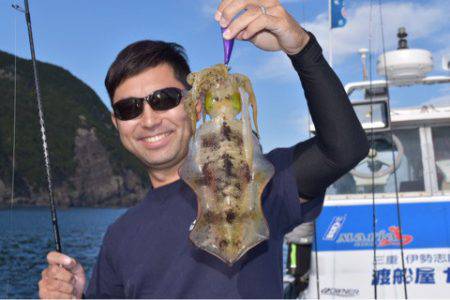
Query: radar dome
[405,64]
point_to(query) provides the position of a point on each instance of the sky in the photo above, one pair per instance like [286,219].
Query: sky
[84,37]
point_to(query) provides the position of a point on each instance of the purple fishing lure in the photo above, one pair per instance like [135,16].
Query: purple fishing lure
[227,48]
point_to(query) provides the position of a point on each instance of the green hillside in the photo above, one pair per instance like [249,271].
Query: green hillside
[71,109]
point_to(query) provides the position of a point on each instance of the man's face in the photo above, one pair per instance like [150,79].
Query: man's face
[158,138]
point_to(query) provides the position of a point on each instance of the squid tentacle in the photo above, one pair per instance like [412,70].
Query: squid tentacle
[244,82]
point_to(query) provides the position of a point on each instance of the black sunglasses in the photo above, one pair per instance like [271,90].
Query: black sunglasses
[160,100]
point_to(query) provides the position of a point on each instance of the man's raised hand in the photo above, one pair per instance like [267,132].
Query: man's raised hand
[264,22]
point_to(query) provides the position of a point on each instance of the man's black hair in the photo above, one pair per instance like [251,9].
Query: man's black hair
[141,55]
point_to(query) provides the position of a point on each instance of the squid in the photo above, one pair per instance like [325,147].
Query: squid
[225,166]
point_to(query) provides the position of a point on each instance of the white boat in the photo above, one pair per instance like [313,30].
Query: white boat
[365,202]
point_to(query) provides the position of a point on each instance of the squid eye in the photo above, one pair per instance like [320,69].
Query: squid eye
[209,101]
[236,101]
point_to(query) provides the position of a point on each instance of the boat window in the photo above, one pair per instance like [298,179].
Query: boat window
[407,162]
[441,144]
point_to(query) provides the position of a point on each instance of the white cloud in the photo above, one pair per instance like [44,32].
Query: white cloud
[420,21]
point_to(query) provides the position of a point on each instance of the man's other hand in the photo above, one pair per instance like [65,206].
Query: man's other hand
[64,278]
[265,23]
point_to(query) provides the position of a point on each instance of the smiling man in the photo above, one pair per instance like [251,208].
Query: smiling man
[147,253]
[159,138]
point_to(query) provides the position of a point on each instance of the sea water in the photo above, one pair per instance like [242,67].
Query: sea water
[26,237]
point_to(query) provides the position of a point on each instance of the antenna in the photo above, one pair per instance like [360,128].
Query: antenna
[402,41]
[363,53]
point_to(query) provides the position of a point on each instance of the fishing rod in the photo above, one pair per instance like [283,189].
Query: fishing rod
[397,201]
[54,217]
[391,134]
[372,159]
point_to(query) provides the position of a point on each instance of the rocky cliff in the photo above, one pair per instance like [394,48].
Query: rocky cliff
[89,165]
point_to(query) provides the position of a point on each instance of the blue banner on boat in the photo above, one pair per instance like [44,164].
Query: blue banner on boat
[424,225]
[338,14]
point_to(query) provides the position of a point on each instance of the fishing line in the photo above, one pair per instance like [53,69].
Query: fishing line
[372,158]
[13,163]
[316,255]
[393,156]
[316,260]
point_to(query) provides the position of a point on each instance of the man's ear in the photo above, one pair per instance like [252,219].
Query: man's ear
[198,109]
[114,120]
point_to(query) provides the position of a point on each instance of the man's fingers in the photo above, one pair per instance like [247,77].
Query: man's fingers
[54,285]
[228,9]
[263,22]
[60,286]
[254,21]
[56,258]
[43,294]
[60,273]
[239,36]
[75,267]
[233,8]
[222,5]
[241,23]
[44,273]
